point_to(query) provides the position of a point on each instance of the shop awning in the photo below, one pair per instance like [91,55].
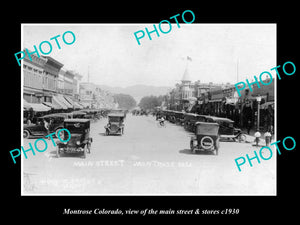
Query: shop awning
[26,105]
[266,105]
[231,101]
[81,106]
[39,107]
[190,107]
[77,105]
[57,101]
[64,101]
[85,104]
[52,105]
[70,101]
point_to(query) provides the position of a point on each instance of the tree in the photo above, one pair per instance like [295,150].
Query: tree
[125,101]
[150,102]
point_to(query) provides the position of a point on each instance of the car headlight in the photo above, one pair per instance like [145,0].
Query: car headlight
[78,142]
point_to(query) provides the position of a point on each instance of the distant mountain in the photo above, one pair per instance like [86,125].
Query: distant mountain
[138,91]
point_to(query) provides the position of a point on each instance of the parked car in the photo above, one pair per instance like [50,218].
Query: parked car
[179,117]
[78,114]
[80,140]
[190,120]
[206,137]
[115,124]
[227,130]
[38,129]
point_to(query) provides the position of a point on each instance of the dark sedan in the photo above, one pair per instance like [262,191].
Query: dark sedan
[38,129]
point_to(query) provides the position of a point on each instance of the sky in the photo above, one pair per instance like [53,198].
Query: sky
[220,53]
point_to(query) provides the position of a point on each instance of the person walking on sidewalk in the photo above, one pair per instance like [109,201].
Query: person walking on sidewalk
[249,126]
[47,127]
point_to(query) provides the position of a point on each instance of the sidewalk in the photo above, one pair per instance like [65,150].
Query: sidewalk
[251,137]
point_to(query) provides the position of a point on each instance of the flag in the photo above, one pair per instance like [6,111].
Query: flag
[189,58]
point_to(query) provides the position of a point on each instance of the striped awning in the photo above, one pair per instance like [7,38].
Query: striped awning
[26,105]
[266,105]
[39,107]
[57,101]
[52,105]
[65,102]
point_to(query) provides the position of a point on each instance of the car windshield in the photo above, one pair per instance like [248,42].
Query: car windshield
[207,129]
[114,119]
[76,127]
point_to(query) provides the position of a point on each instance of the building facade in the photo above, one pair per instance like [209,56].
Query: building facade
[33,78]
[92,96]
[47,86]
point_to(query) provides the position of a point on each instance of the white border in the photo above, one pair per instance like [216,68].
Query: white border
[139,24]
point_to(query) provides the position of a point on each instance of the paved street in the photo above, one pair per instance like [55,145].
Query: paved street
[147,160]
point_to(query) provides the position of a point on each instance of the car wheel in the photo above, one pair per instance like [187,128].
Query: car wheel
[242,138]
[192,146]
[217,146]
[26,134]
[217,151]
[57,152]
[56,132]
[84,151]
[89,148]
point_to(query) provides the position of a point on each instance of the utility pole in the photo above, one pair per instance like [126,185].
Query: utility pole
[88,74]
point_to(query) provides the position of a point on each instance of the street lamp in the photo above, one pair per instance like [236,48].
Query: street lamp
[257,133]
[258,99]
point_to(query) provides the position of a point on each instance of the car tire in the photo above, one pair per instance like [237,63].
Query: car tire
[242,138]
[217,146]
[26,134]
[56,132]
[57,152]
[192,146]
[84,151]
[89,148]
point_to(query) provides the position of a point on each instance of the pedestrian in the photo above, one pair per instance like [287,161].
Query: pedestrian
[47,127]
[28,121]
[162,121]
[249,126]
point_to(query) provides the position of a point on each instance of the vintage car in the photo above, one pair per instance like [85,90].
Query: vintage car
[115,124]
[170,116]
[38,129]
[206,137]
[190,120]
[80,140]
[227,130]
[78,114]
[92,114]
[179,117]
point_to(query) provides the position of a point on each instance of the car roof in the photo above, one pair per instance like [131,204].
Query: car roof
[65,115]
[207,123]
[220,119]
[77,120]
[116,115]
[191,114]
[78,113]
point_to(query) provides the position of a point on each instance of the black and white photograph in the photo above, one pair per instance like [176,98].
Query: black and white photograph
[114,109]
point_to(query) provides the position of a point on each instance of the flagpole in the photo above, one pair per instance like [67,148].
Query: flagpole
[88,74]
